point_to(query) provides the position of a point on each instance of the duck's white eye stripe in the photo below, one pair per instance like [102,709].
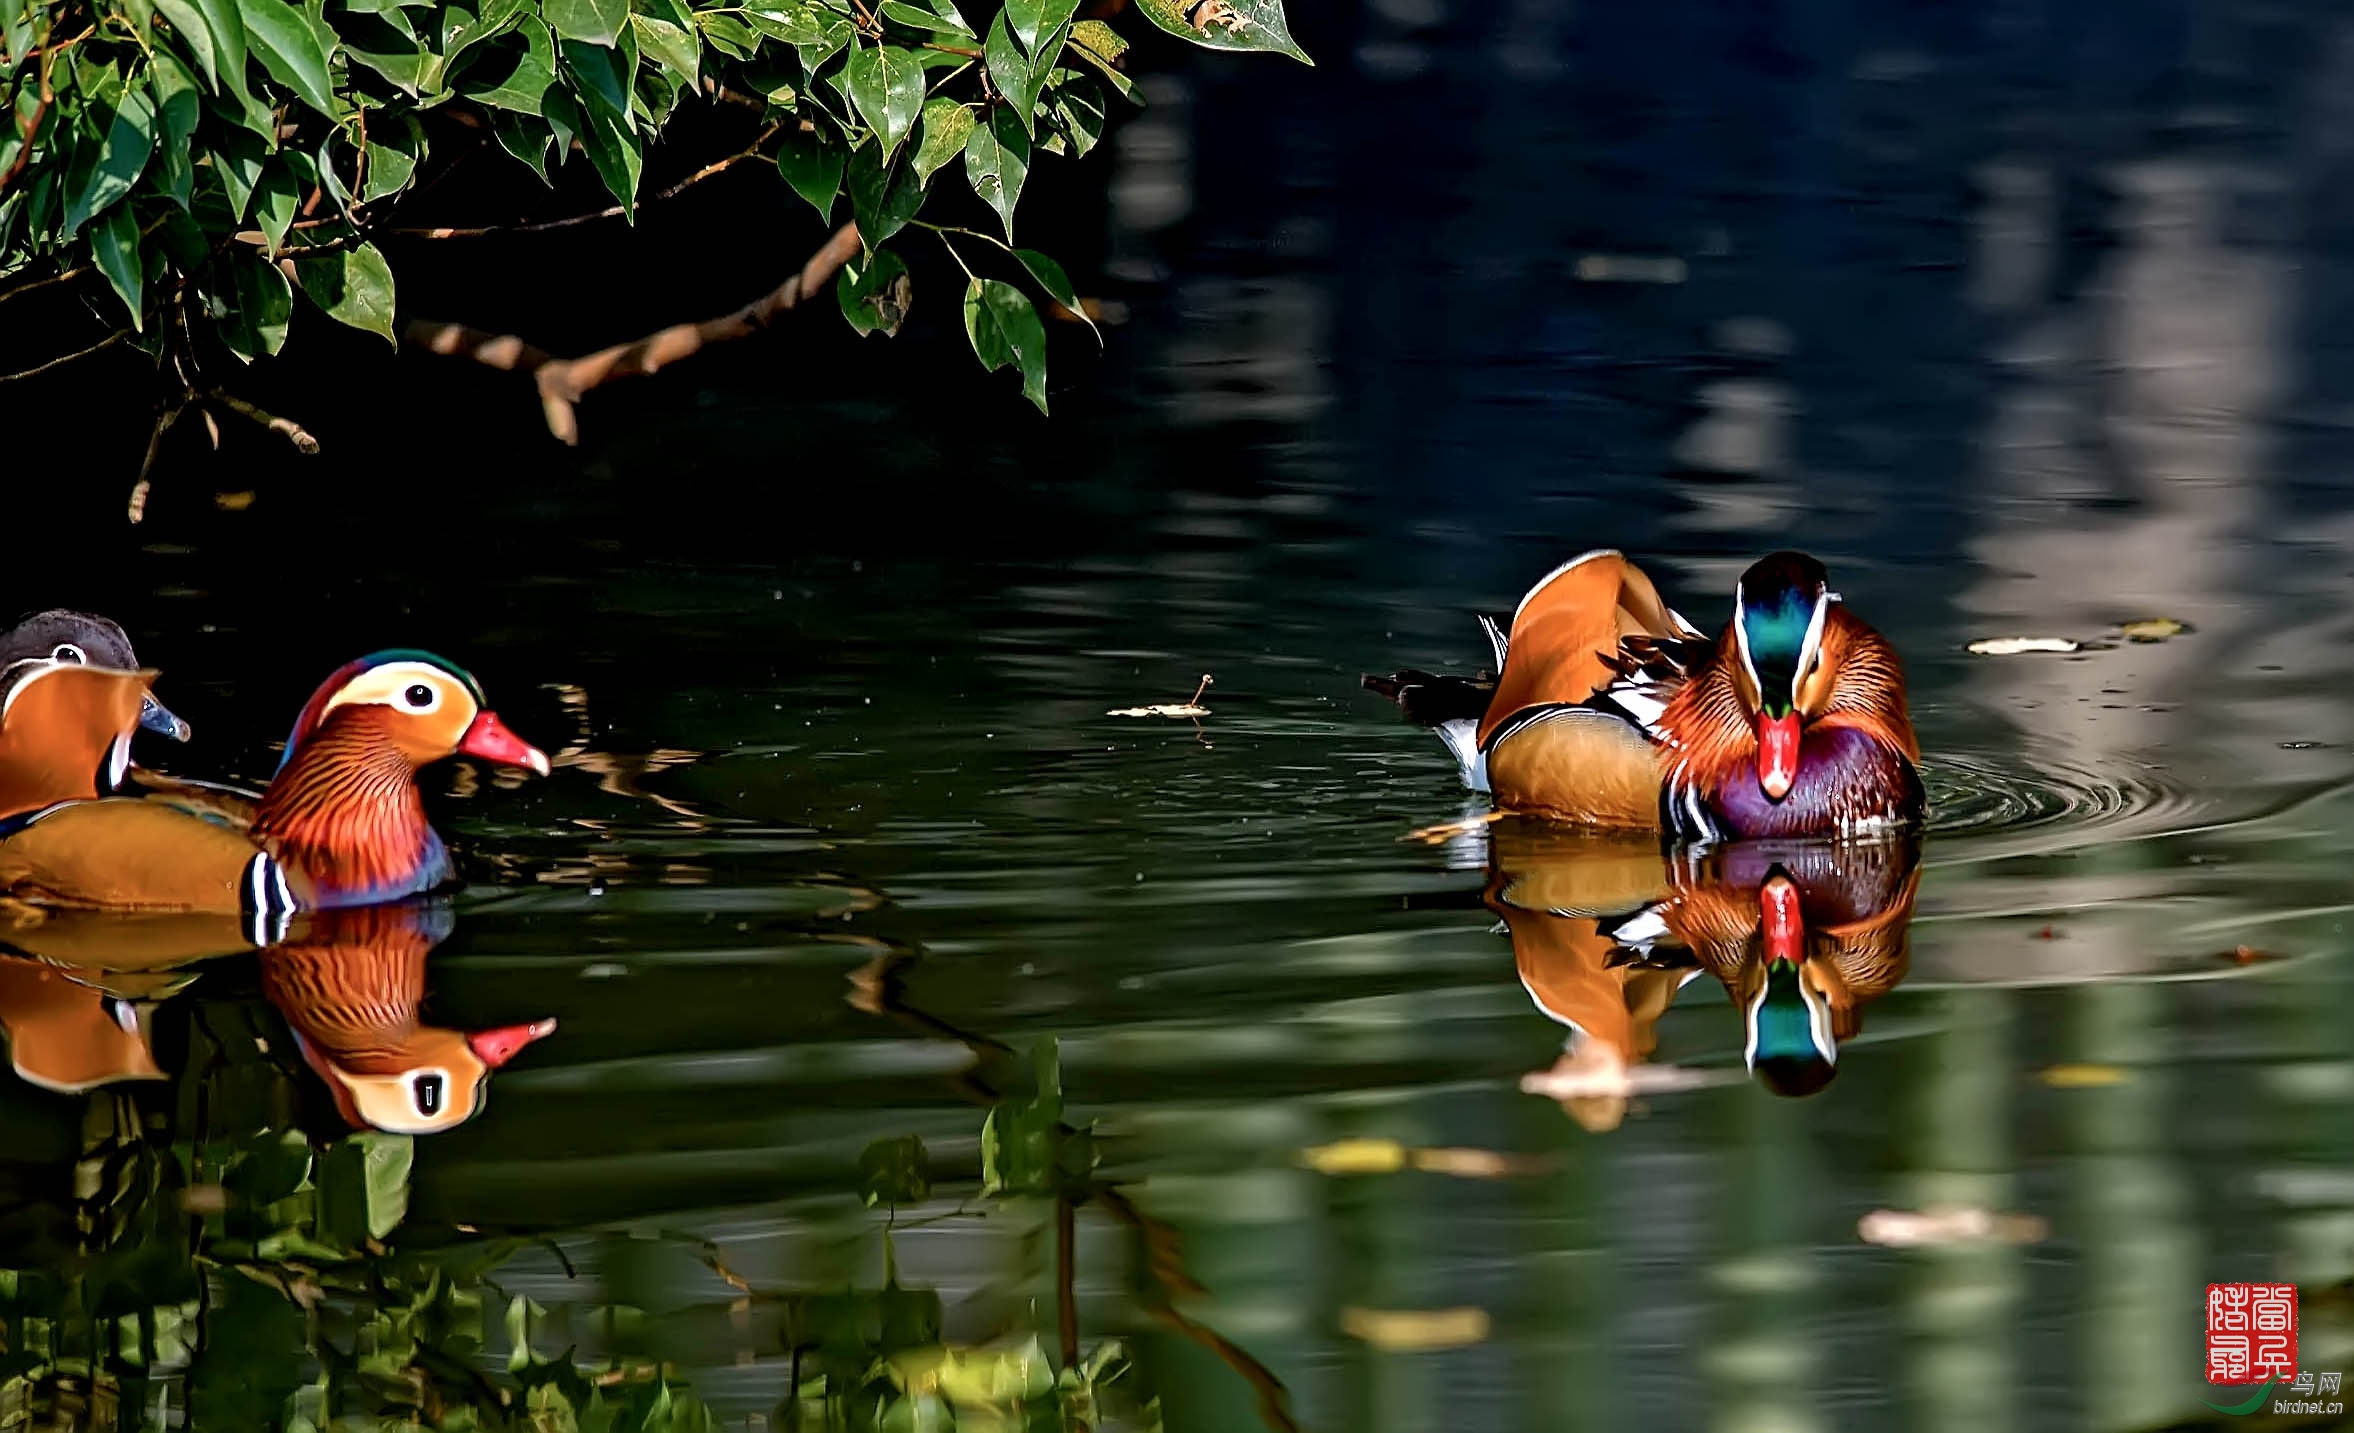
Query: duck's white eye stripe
[68,652]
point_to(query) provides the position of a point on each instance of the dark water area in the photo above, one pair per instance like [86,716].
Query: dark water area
[2027,319]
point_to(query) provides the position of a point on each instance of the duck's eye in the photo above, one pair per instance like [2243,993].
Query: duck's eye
[419,697]
[428,1091]
[68,652]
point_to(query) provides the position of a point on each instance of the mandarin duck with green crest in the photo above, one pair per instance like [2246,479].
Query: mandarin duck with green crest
[1610,709]
[341,824]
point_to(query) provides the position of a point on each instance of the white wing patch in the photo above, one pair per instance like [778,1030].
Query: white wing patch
[1462,738]
[1498,638]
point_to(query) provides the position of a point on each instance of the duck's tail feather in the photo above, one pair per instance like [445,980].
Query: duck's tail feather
[1451,706]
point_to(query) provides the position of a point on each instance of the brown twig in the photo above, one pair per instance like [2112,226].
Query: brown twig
[563,381]
[136,510]
[66,277]
[295,433]
[751,151]
[40,368]
[28,126]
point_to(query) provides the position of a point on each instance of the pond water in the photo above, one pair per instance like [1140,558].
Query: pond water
[2027,323]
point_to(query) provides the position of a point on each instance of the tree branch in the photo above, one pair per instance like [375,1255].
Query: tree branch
[28,126]
[295,433]
[136,510]
[40,368]
[750,151]
[563,381]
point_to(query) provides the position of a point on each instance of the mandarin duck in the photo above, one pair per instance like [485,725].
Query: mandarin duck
[349,986]
[60,636]
[68,1036]
[1801,936]
[340,824]
[1608,708]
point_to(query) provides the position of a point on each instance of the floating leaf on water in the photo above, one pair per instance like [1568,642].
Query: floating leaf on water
[2153,629]
[1191,707]
[1416,1330]
[2084,1077]
[1471,1163]
[2247,955]
[2013,646]
[1355,1156]
[1948,1224]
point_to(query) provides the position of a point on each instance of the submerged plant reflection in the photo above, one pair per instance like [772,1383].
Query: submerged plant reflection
[195,1241]
[1606,931]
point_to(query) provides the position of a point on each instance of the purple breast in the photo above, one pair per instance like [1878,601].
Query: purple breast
[1844,777]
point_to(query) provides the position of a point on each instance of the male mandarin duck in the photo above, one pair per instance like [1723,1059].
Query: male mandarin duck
[341,823]
[349,986]
[1610,709]
[1801,938]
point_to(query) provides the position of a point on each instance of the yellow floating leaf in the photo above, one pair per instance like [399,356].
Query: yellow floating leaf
[1948,1224]
[2084,1077]
[233,502]
[1416,1330]
[1356,1156]
[2013,646]
[2153,629]
[1469,1163]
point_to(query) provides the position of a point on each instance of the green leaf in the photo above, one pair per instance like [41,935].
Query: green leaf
[177,107]
[263,303]
[941,137]
[105,173]
[892,1171]
[363,1182]
[238,162]
[887,86]
[883,196]
[1101,46]
[295,54]
[1099,40]
[670,47]
[1009,69]
[523,139]
[600,77]
[275,199]
[465,24]
[1226,24]
[214,37]
[114,245]
[917,19]
[352,286]
[1037,22]
[399,57]
[1074,107]
[618,153]
[812,167]
[996,161]
[591,22]
[1050,277]
[1004,328]
[395,146]
[515,73]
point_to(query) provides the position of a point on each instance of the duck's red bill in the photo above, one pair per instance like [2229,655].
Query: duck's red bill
[1777,754]
[497,1047]
[489,739]
[1784,924]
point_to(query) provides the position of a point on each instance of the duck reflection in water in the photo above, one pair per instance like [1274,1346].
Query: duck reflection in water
[350,984]
[79,991]
[1606,931]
